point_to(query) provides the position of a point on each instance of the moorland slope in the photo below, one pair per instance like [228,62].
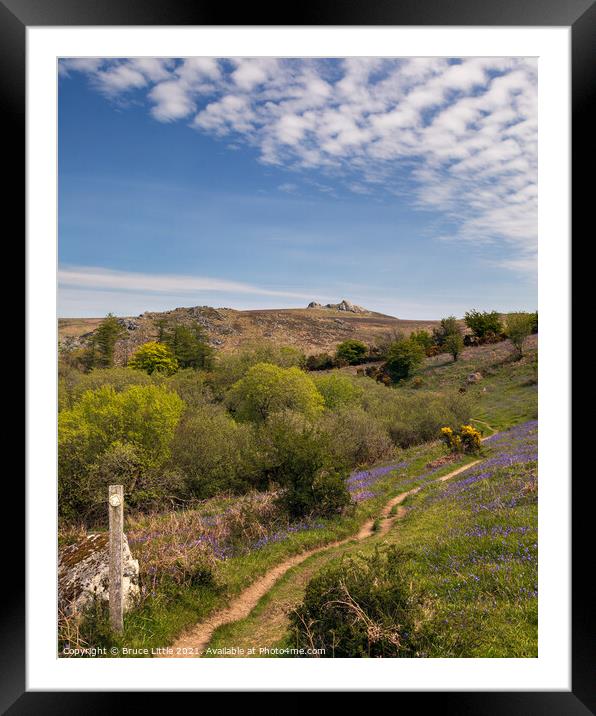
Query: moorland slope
[312,330]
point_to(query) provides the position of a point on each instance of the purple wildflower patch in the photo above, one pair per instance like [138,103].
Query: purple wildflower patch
[360,483]
[494,553]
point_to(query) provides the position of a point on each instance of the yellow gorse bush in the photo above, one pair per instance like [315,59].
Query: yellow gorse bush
[465,440]
[470,437]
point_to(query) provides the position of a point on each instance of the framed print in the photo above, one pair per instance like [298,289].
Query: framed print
[283,388]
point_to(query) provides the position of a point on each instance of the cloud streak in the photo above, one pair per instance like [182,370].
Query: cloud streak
[458,137]
[101,279]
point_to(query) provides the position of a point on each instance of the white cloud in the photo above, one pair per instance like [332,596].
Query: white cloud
[153,68]
[79,64]
[252,72]
[198,69]
[463,132]
[359,188]
[231,114]
[171,101]
[522,264]
[290,128]
[101,279]
[119,78]
[288,187]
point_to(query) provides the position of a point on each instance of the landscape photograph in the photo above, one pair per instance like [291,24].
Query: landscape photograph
[297,357]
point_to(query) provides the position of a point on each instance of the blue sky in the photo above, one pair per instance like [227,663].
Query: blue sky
[407,186]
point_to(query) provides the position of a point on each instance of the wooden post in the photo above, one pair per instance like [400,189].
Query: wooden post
[116,509]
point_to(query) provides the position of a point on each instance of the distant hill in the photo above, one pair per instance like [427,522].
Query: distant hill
[314,329]
[343,306]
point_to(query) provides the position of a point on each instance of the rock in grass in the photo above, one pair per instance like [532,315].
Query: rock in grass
[83,574]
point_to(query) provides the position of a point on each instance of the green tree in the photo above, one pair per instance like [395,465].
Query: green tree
[423,338]
[72,389]
[453,341]
[300,458]
[189,345]
[402,358]
[337,390]
[214,452]
[163,326]
[352,352]
[518,328]
[267,389]
[484,324]
[448,326]
[144,487]
[153,357]
[229,368]
[143,417]
[191,386]
[454,344]
[104,340]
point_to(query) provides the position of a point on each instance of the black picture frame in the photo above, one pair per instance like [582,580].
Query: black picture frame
[579,15]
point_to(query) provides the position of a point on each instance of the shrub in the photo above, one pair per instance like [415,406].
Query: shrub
[143,417]
[213,452]
[191,386]
[268,389]
[299,457]
[154,357]
[470,438]
[454,344]
[386,340]
[491,337]
[375,353]
[337,390]
[418,417]
[447,327]
[359,607]
[485,324]
[519,327]
[389,405]
[321,361]
[424,339]
[466,440]
[352,352]
[356,437]
[329,494]
[72,388]
[231,367]
[122,463]
[81,359]
[471,340]
[402,358]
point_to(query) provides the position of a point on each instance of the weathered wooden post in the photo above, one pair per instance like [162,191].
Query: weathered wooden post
[116,508]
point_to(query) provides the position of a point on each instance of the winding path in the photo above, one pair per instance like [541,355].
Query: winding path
[488,425]
[196,639]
